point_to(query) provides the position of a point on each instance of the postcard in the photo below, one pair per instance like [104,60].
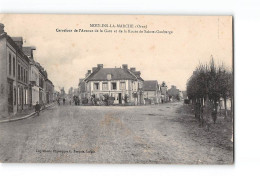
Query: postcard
[116,89]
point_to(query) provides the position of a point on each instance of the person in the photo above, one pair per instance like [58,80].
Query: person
[37,108]
[64,101]
[58,100]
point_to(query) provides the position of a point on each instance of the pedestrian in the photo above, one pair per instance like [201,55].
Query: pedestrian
[58,101]
[64,101]
[37,108]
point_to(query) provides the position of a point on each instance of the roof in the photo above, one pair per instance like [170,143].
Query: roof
[27,51]
[151,85]
[100,74]
[17,39]
[11,41]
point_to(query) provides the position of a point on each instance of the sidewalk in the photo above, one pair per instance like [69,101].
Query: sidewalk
[24,115]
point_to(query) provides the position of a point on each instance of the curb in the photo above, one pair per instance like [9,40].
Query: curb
[25,117]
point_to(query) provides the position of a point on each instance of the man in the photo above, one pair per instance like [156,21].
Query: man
[37,108]
[64,101]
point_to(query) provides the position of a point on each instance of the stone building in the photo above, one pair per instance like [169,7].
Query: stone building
[49,91]
[34,88]
[42,84]
[152,92]
[125,85]
[14,76]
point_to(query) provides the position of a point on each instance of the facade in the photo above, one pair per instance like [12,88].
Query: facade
[42,84]
[152,92]
[14,76]
[123,84]
[22,80]
[49,91]
[34,88]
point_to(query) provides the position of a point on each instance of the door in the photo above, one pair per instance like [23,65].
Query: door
[10,97]
[120,98]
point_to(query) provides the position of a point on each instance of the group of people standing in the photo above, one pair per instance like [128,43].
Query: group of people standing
[75,100]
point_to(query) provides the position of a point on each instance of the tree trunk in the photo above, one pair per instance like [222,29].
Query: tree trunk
[225,104]
[232,109]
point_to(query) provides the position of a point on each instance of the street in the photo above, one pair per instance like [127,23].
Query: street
[107,134]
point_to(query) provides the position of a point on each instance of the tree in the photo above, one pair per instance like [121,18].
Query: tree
[207,85]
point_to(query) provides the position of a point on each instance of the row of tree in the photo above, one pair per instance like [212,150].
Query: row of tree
[208,84]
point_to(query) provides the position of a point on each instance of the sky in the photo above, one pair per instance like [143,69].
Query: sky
[164,57]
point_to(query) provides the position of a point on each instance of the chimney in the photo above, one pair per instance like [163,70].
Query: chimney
[93,69]
[125,66]
[132,69]
[100,65]
[2,27]
[137,73]
[18,41]
[88,73]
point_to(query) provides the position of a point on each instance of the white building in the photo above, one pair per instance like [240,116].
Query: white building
[124,84]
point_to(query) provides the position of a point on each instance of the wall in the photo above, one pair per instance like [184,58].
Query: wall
[3,81]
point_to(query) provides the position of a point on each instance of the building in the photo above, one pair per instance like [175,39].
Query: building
[14,68]
[34,88]
[152,92]
[14,76]
[49,91]
[42,84]
[22,80]
[123,84]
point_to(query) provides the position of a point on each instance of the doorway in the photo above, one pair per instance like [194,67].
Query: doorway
[120,98]
[10,97]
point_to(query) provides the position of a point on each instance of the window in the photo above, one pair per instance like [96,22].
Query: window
[109,76]
[19,73]
[105,86]
[18,95]
[96,86]
[25,96]
[10,65]
[13,66]
[114,86]
[122,86]
[14,96]
[24,75]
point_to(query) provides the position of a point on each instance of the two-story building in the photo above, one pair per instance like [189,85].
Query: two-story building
[125,85]
[34,87]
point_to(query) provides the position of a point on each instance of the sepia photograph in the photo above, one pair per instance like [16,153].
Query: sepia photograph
[116,89]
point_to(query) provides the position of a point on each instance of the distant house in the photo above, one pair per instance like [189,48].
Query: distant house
[152,93]
[124,84]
